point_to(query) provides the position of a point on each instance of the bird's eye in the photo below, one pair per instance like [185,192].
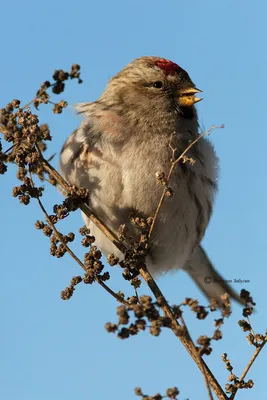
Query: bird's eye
[157,84]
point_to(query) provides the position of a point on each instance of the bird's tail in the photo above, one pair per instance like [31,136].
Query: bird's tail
[207,278]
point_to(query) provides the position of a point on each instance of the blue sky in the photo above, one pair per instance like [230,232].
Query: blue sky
[56,350]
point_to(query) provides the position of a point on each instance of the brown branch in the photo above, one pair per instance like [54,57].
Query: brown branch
[5,130]
[206,379]
[201,361]
[10,148]
[83,206]
[173,163]
[36,98]
[250,363]
[182,334]
[29,103]
[180,331]
[73,255]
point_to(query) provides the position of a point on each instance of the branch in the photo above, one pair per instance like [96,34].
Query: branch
[179,330]
[60,238]
[83,206]
[251,361]
[202,366]
[173,163]
[182,333]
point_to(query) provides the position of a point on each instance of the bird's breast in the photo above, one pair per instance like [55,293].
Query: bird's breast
[129,187]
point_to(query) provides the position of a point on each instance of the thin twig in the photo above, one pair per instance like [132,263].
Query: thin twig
[201,361]
[178,330]
[4,130]
[10,148]
[173,163]
[251,361]
[60,238]
[110,291]
[182,333]
[83,206]
[29,103]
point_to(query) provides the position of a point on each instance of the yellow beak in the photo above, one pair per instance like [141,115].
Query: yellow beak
[187,97]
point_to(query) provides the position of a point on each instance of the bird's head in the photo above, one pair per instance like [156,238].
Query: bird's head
[156,83]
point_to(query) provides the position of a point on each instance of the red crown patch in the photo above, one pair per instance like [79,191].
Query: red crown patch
[167,66]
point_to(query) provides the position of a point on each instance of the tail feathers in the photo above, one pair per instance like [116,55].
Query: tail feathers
[207,278]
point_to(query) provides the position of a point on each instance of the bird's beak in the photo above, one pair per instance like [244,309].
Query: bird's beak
[187,97]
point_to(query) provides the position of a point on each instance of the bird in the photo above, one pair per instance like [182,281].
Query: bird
[125,140]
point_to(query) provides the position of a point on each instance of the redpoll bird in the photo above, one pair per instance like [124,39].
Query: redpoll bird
[120,146]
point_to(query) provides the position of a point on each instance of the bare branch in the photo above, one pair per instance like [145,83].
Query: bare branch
[180,331]
[81,264]
[173,163]
[250,363]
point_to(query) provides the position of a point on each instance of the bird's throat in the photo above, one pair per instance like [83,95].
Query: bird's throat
[188,113]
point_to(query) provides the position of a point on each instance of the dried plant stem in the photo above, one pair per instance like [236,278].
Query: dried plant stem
[4,130]
[173,163]
[83,206]
[206,379]
[182,333]
[10,148]
[29,103]
[60,238]
[201,361]
[251,361]
[179,330]
[37,97]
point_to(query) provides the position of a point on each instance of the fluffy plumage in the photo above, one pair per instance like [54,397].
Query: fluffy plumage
[122,143]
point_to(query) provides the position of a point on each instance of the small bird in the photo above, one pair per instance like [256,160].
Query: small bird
[123,142]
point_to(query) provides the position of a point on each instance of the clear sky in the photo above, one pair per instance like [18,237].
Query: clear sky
[55,350]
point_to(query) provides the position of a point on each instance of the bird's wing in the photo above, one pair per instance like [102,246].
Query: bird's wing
[80,153]
[207,278]
[90,151]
